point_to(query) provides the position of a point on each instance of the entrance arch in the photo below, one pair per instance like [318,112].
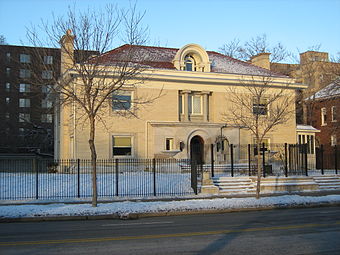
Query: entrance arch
[197,149]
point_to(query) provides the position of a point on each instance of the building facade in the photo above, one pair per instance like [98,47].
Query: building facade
[26,112]
[185,120]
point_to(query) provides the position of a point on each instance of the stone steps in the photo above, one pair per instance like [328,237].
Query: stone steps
[327,182]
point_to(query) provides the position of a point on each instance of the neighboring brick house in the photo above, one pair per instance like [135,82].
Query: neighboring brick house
[326,115]
[317,71]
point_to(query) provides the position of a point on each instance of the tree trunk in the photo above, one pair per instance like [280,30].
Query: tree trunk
[259,173]
[93,161]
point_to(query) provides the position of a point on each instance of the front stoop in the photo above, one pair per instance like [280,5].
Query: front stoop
[234,185]
[328,182]
[288,184]
[247,185]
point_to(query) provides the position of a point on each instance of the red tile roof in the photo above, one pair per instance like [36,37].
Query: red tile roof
[161,58]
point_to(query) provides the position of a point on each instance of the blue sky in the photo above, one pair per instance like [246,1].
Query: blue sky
[297,24]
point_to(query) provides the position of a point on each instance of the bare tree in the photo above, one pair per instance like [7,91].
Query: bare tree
[2,40]
[253,47]
[259,107]
[88,84]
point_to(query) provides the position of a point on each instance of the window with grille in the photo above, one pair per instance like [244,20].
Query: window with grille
[260,107]
[195,104]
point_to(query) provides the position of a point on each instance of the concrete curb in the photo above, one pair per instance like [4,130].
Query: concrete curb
[166,199]
[133,216]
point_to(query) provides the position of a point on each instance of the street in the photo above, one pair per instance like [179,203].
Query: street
[279,231]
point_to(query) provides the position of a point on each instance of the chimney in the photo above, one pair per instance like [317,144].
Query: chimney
[67,51]
[261,60]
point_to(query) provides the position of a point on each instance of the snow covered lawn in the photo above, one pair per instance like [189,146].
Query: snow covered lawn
[14,186]
[125,208]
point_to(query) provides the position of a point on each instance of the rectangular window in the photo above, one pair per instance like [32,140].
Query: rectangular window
[260,107]
[195,104]
[46,118]
[121,101]
[48,60]
[45,103]
[7,100]
[46,88]
[8,71]
[24,117]
[180,104]
[333,140]
[122,145]
[24,87]
[7,115]
[8,56]
[8,87]
[169,144]
[24,102]
[25,58]
[47,74]
[24,73]
[333,114]
[323,116]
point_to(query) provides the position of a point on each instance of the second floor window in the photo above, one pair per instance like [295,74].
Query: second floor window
[48,60]
[46,118]
[45,103]
[260,107]
[24,102]
[24,117]
[333,114]
[121,100]
[25,58]
[195,104]
[323,116]
[24,87]
[47,74]
[8,87]
[25,73]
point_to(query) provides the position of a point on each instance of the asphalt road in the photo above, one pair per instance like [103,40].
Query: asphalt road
[281,231]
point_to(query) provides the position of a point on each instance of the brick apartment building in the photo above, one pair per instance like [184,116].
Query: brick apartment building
[26,105]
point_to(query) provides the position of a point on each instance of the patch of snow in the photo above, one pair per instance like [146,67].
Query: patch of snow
[124,208]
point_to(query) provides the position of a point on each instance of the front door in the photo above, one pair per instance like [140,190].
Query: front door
[197,150]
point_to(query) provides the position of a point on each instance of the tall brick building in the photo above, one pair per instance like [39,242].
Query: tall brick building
[26,111]
[26,103]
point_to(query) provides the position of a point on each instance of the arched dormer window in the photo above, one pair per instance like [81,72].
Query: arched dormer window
[190,64]
[192,57]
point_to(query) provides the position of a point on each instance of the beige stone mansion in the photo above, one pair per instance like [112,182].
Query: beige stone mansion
[187,115]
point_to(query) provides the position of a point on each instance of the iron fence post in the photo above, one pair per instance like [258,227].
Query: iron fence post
[321,152]
[212,160]
[232,159]
[154,175]
[306,159]
[78,176]
[116,166]
[336,159]
[263,161]
[286,162]
[249,166]
[36,170]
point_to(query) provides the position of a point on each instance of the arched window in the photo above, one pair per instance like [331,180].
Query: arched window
[190,64]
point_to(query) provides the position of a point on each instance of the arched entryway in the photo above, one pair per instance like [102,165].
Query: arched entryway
[197,149]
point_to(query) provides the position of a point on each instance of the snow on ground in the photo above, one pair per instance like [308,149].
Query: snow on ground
[127,207]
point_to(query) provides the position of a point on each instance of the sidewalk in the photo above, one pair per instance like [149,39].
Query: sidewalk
[136,208]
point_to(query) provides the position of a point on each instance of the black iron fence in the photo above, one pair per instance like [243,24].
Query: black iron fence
[36,178]
[53,179]
[275,160]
